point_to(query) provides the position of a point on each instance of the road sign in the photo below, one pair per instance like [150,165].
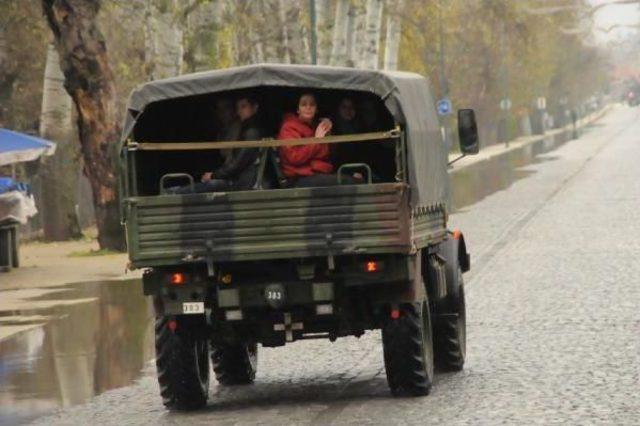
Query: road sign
[444,106]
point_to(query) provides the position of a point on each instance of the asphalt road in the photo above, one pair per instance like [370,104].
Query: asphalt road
[553,317]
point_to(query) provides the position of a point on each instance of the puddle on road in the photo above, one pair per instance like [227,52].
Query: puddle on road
[477,181]
[89,338]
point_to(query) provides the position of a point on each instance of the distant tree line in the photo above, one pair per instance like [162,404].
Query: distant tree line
[70,64]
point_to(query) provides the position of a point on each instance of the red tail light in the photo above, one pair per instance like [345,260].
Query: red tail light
[177,278]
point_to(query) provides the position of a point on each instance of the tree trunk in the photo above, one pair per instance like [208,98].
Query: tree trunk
[323,27]
[282,14]
[352,37]
[204,47]
[394,30]
[340,34]
[372,34]
[61,171]
[164,39]
[267,30]
[7,75]
[4,56]
[298,48]
[89,81]
[359,34]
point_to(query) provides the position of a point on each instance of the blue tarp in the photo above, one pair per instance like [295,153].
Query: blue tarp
[7,184]
[17,147]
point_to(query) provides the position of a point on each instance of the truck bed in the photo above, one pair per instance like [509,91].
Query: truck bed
[271,224]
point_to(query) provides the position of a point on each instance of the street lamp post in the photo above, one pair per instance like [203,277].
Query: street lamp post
[444,86]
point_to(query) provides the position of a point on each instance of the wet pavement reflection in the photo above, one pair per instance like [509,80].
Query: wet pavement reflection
[101,342]
[476,181]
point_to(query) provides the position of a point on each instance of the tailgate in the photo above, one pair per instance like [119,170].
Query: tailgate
[280,223]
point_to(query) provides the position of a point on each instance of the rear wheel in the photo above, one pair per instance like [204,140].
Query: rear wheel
[235,364]
[182,361]
[408,350]
[450,330]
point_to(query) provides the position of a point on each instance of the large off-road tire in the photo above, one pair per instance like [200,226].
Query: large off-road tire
[182,361]
[408,350]
[235,364]
[450,330]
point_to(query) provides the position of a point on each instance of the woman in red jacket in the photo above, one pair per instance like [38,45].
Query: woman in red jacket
[307,165]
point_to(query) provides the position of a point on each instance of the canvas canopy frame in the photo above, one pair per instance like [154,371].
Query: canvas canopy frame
[407,97]
[263,143]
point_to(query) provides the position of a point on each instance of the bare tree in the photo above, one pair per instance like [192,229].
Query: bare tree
[202,46]
[163,39]
[323,30]
[373,25]
[61,171]
[298,47]
[394,30]
[6,76]
[4,55]
[353,18]
[340,34]
[270,33]
[89,80]
[282,15]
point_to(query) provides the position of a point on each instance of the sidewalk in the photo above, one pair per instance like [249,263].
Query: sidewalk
[56,264]
[501,149]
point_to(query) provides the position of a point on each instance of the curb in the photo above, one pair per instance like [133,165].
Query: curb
[521,142]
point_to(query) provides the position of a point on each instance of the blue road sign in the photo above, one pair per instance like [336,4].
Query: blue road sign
[444,106]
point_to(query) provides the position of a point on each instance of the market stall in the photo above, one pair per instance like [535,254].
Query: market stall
[16,200]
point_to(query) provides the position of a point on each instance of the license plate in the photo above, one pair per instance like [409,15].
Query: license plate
[193,308]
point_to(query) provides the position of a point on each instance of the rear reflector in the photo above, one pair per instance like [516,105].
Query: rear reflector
[324,309]
[235,315]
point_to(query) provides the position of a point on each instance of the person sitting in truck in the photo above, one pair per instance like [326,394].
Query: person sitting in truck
[307,165]
[380,153]
[238,172]
[346,120]
[227,123]
[346,123]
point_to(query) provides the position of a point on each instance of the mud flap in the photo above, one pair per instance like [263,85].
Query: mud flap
[454,251]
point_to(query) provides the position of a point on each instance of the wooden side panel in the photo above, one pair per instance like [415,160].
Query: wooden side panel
[253,225]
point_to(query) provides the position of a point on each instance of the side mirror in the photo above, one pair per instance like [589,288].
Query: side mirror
[468,132]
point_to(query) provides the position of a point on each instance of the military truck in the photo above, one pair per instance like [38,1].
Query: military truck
[277,264]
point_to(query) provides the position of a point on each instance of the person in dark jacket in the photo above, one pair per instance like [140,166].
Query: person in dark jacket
[238,172]
[346,123]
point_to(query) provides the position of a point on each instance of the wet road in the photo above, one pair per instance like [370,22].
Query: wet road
[554,324]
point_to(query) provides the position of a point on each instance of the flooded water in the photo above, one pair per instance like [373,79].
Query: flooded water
[479,180]
[95,337]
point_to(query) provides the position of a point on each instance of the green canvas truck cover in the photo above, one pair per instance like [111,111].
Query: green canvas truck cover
[407,96]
